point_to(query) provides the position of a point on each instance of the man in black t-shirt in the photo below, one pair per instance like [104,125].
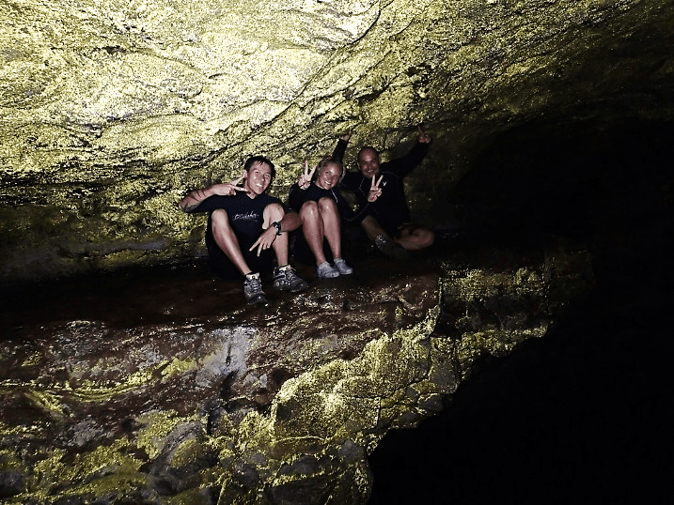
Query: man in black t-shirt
[247,228]
[388,222]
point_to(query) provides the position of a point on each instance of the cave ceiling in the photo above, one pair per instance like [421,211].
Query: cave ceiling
[111,110]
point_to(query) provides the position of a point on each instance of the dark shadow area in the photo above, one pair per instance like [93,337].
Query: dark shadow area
[584,414]
[171,294]
[125,297]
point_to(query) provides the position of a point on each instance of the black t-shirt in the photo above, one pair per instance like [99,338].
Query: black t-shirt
[246,216]
[390,209]
[314,193]
[245,213]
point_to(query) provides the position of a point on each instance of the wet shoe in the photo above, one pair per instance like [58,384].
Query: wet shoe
[343,268]
[326,271]
[285,279]
[252,289]
[390,247]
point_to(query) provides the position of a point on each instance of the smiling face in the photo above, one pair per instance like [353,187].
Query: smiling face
[258,177]
[329,176]
[368,163]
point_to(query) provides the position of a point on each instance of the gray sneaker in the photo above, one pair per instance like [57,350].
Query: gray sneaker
[285,279]
[390,247]
[343,268]
[252,289]
[326,271]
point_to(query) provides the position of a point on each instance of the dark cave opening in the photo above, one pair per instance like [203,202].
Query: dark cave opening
[582,414]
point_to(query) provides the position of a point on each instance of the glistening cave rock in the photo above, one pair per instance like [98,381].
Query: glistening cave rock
[249,404]
[112,111]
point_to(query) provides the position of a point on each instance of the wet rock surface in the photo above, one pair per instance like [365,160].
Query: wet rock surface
[156,384]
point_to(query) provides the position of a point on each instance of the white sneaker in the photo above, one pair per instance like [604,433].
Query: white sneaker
[326,271]
[343,268]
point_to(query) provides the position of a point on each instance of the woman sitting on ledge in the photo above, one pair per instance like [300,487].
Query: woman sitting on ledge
[322,208]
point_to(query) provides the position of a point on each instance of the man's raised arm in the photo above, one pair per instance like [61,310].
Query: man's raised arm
[340,148]
[194,198]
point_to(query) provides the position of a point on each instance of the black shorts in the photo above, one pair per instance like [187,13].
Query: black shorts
[223,266]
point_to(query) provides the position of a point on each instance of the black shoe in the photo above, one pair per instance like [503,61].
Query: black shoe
[390,247]
[285,279]
[252,289]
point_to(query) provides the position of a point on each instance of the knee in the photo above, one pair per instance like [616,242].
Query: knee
[327,205]
[273,212]
[426,237]
[219,218]
[309,211]
[431,238]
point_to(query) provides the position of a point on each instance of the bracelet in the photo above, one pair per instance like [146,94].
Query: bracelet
[277,225]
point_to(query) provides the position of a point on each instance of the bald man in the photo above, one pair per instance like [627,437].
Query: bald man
[388,223]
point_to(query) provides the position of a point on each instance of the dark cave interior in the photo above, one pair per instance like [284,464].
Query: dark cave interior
[583,414]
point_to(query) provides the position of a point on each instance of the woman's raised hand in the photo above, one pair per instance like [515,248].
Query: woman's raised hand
[305,179]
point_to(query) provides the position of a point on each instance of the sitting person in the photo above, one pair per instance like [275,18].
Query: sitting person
[322,208]
[247,228]
[388,221]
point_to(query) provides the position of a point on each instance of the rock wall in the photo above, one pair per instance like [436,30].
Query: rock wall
[111,111]
[256,405]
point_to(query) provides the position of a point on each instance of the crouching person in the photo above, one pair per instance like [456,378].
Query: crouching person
[247,228]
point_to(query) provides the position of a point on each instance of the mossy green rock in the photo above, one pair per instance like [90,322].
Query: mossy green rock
[111,111]
[248,404]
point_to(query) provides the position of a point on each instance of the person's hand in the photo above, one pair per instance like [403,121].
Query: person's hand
[346,136]
[375,190]
[265,240]
[305,179]
[424,138]
[229,188]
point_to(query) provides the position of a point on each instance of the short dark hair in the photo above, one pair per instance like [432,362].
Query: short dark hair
[259,159]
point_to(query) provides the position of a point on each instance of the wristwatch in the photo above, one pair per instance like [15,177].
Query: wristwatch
[277,225]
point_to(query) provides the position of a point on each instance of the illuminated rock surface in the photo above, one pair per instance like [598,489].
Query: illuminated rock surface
[163,388]
[111,111]
[187,402]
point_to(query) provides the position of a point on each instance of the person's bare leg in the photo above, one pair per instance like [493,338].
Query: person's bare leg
[226,240]
[332,227]
[382,240]
[312,227]
[274,212]
[414,238]
[285,278]
[371,227]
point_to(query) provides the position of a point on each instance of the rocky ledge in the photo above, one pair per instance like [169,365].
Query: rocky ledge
[163,387]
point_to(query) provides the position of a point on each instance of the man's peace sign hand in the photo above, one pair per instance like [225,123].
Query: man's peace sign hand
[424,138]
[375,190]
[305,179]
[229,188]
